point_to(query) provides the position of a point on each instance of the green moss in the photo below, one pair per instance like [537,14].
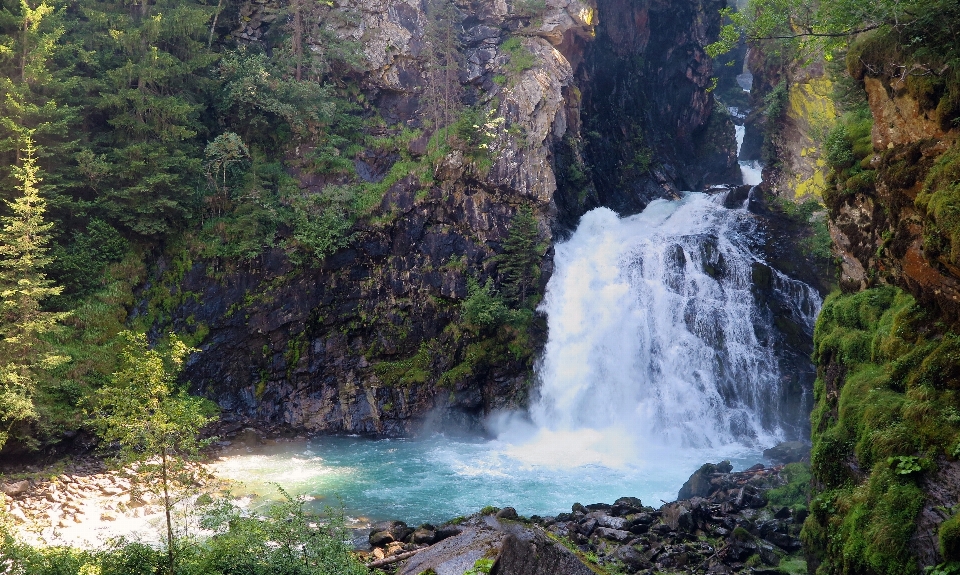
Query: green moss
[521,58]
[416,369]
[884,411]
[797,489]
[940,201]
[949,535]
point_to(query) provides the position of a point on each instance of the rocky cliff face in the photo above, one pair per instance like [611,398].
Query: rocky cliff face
[650,125]
[879,505]
[884,226]
[372,339]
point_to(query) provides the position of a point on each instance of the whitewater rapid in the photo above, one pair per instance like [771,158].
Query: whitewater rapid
[652,339]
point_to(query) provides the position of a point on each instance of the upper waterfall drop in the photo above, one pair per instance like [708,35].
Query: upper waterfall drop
[655,332]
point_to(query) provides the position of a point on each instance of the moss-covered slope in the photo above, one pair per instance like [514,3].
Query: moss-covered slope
[885,428]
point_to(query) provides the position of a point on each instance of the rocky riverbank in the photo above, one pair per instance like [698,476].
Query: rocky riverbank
[723,522]
[729,523]
[81,505]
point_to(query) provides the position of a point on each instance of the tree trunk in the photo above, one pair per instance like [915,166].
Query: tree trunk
[214,25]
[166,506]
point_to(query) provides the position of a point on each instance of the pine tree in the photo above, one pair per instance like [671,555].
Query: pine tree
[24,355]
[33,91]
[520,260]
[442,92]
[150,73]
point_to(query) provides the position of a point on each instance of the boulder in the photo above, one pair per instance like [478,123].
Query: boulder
[446,531]
[507,513]
[613,534]
[788,452]
[699,484]
[381,538]
[424,536]
[534,554]
[612,522]
[633,559]
[14,488]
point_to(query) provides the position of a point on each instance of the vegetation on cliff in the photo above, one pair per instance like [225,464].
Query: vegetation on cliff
[156,133]
[885,418]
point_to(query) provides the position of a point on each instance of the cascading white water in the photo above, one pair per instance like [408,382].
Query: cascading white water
[751,171]
[652,331]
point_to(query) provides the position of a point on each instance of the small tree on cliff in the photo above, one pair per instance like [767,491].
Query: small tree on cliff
[24,355]
[153,420]
[520,259]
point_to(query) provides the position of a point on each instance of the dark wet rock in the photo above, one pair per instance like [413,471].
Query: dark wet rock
[788,452]
[518,550]
[446,531]
[386,532]
[381,538]
[507,513]
[699,484]
[612,534]
[612,522]
[633,559]
[532,553]
[424,536]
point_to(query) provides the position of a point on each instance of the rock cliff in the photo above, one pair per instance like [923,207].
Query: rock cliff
[372,339]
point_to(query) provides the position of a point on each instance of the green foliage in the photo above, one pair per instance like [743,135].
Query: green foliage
[416,369]
[519,262]
[281,539]
[797,489]
[521,58]
[473,134]
[939,199]
[811,215]
[154,422]
[322,222]
[480,567]
[884,403]
[949,535]
[774,106]
[24,354]
[80,263]
[905,464]
[529,8]
[483,309]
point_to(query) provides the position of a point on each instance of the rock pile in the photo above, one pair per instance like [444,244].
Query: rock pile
[81,497]
[725,526]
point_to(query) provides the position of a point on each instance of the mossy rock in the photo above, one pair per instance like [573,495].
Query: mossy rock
[950,539]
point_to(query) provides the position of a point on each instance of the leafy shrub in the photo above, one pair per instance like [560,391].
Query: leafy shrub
[521,58]
[482,308]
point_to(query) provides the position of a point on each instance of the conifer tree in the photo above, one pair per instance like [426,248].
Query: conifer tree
[30,39]
[23,288]
[442,91]
[520,259]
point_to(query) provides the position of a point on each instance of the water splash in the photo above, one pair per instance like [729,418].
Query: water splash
[654,334]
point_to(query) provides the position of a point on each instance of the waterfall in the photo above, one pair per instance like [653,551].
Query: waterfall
[751,170]
[653,331]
